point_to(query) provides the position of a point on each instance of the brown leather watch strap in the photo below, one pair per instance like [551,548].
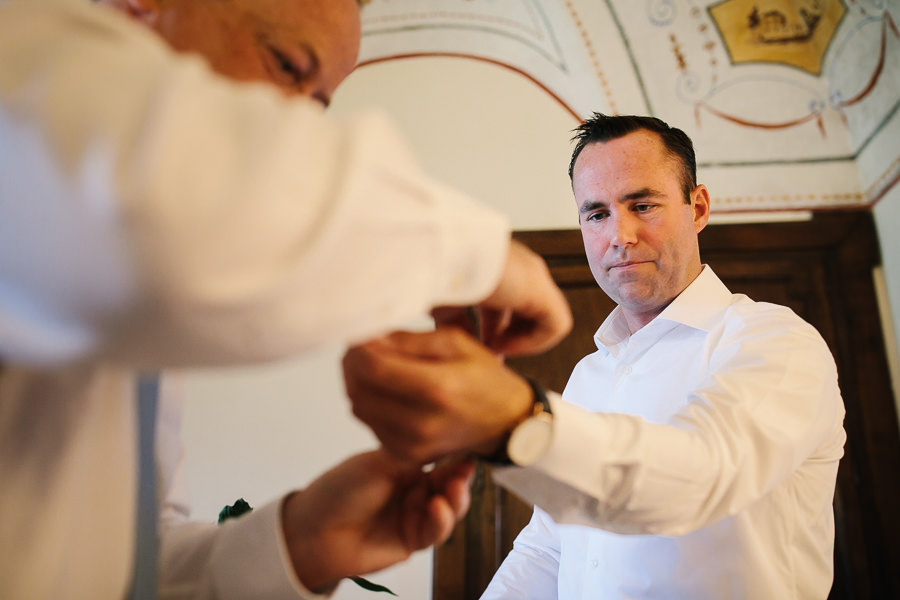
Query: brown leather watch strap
[540,404]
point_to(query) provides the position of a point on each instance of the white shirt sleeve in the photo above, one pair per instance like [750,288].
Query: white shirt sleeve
[529,571]
[242,558]
[769,404]
[154,213]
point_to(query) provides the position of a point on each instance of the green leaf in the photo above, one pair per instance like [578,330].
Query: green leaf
[235,510]
[372,587]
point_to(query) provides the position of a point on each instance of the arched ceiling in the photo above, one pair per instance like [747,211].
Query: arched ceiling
[781,97]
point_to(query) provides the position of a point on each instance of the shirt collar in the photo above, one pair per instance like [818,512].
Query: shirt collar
[700,306]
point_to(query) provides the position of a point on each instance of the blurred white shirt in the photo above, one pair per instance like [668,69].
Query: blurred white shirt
[155,215]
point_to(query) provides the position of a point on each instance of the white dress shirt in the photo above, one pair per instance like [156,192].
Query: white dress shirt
[154,214]
[695,459]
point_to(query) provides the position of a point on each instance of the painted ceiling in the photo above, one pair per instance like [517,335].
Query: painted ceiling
[781,97]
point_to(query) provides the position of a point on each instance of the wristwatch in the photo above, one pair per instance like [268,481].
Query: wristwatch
[531,438]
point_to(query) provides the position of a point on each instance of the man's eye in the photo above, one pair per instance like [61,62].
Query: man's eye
[642,207]
[286,65]
[596,217]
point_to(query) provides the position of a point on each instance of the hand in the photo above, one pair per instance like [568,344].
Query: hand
[369,513]
[427,395]
[526,313]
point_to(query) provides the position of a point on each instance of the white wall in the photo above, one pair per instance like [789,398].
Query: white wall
[259,432]
[485,129]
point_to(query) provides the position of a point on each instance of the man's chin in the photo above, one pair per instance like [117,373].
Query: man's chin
[633,295]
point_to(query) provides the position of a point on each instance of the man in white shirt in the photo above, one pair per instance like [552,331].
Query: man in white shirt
[693,456]
[155,214]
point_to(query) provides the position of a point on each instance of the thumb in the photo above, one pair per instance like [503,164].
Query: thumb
[457,316]
[444,343]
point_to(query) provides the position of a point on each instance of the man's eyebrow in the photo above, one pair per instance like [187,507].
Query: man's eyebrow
[589,206]
[641,193]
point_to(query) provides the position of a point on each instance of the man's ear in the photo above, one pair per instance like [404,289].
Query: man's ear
[700,207]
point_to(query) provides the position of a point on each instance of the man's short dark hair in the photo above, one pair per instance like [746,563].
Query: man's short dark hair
[599,128]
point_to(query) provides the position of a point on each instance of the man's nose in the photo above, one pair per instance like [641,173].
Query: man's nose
[624,230]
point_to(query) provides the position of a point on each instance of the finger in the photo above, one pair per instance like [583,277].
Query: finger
[392,387]
[452,467]
[400,432]
[378,370]
[452,478]
[493,324]
[443,343]
[402,405]
[532,335]
[457,491]
[439,522]
[413,429]
[408,364]
[541,314]
[414,516]
[388,364]
[454,316]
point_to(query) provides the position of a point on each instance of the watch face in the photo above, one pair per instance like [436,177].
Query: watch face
[530,440]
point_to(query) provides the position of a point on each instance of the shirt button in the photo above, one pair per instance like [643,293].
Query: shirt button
[595,563]
[626,370]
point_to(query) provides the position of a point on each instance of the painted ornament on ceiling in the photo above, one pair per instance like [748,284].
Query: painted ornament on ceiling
[791,32]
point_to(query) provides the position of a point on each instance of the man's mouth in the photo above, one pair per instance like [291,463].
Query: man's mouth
[627,264]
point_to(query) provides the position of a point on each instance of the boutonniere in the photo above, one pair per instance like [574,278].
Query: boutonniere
[241,506]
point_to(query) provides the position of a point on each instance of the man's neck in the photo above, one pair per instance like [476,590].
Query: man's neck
[636,321]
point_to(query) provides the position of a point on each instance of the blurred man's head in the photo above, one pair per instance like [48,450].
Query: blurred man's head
[305,47]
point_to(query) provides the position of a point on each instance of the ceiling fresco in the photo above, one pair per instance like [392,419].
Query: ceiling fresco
[793,33]
[781,97]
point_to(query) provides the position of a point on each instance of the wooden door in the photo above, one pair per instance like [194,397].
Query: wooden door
[822,269]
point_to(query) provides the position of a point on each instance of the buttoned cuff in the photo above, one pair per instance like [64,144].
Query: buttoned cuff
[251,559]
[569,479]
